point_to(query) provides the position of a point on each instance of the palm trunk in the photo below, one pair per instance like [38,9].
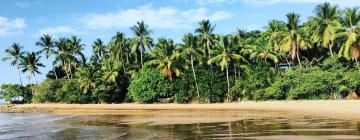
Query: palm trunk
[31,86]
[56,77]
[227,79]
[193,70]
[287,61]
[331,53]
[297,56]
[123,65]
[18,67]
[35,79]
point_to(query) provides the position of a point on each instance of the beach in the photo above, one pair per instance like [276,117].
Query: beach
[341,109]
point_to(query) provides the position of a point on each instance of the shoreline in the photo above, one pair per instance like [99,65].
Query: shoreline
[340,109]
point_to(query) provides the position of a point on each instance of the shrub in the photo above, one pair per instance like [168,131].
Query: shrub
[212,86]
[148,85]
[60,90]
[15,93]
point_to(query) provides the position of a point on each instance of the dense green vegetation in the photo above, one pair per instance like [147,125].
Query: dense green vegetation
[315,59]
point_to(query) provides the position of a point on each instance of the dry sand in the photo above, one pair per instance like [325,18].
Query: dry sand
[341,109]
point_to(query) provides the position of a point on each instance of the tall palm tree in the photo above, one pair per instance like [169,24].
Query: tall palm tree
[293,39]
[30,63]
[47,43]
[165,57]
[273,34]
[324,25]
[205,31]
[62,55]
[141,40]
[190,49]
[14,54]
[224,55]
[349,34]
[99,48]
[75,48]
[119,50]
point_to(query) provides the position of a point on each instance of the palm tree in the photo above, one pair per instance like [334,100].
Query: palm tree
[119,50]
[205,31]
[142,39]
[110,71]
[62,55]
[325,24]
[30,63]
[224,55]
[87,79]
[14,54]
[164,56]
[273,34]
[98,48]
[47,46]
[261,51]
[190,49]
[293,39]
[75,48]
[349,34]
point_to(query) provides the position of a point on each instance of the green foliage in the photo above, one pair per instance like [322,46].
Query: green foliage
[15,93]
[148,85]
[61,90]
[212,87]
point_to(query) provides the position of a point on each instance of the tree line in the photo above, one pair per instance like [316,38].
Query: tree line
[204,67]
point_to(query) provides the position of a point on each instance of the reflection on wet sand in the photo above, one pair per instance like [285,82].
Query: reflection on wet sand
[191,124]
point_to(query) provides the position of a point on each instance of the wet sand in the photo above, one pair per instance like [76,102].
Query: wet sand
[340,109]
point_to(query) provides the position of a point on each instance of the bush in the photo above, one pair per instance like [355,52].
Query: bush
[15,93]
[60,90]
[212,86]
[148,85]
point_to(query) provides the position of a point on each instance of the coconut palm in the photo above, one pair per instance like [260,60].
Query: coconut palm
[293,39]
[119,50]
[62,55]
[110,71]
[324,25]
[47,43]
[141,40]
[261,51]
[165,57]
[30,63]
[99,48]
[87,79]
[14,54]
[348,35]
[273,34]
[206,36]
[191,51]
[224,55]
[75,48]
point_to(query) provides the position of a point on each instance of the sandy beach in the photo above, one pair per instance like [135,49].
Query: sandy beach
[344,109]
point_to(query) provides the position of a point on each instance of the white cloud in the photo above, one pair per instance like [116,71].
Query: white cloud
[56,30]
[11,27]
[208,2]
[22,4]
[163,17]
[343,3]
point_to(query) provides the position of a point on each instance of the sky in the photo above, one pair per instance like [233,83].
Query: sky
[24,21]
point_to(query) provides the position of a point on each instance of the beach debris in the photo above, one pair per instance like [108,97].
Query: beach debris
[352,96]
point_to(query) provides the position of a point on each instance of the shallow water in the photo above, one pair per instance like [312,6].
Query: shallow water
[176,124]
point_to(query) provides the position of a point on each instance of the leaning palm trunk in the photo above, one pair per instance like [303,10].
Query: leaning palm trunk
[297,54]
[193,70]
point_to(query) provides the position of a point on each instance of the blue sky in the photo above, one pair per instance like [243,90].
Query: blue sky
[23,21]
